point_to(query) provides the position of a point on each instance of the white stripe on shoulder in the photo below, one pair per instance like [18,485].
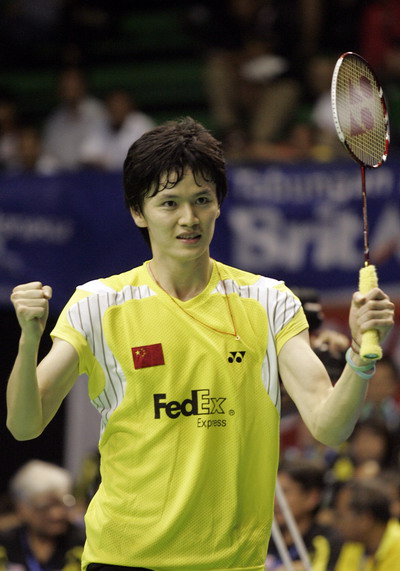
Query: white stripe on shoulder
[96,286]
[86,316]
[280,306]
[251,291]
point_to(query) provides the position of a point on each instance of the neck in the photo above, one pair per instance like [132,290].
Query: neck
[375,538]
[303,525]
[183,281]
[42,546]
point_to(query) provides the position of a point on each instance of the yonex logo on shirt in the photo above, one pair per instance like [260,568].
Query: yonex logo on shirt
[200,403]
[236,356]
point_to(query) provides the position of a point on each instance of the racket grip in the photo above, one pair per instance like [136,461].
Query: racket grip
[370,348]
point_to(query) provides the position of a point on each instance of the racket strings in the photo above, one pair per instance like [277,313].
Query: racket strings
[361,112]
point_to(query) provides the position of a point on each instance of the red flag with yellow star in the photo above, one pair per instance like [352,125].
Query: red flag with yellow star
[148,356]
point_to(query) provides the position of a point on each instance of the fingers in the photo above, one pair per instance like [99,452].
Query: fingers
[375,301]
[47,292]
[374,310]
[31,300]
[374,294]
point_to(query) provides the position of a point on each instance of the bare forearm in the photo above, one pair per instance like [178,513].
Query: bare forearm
[24,408]
[338,413]
[330,412]
[35,392]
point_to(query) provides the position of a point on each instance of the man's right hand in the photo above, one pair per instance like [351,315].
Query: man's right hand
[31,304]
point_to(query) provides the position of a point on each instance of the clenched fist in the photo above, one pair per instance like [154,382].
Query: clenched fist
[31,304]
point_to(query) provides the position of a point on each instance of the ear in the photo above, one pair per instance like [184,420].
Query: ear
[138,218]
[314,498]
[218,213]
[22,509]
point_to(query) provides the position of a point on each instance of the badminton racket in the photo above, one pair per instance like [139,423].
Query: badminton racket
[362,124]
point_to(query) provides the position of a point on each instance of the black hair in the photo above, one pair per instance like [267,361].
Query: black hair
[377,426]
[310,300]
[160,158]
[369,497]
[307,473]
[388,360]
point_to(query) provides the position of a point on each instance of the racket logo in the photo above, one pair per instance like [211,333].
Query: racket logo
[361,104]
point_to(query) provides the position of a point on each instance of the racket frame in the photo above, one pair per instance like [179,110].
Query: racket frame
[370,347]
[336,121]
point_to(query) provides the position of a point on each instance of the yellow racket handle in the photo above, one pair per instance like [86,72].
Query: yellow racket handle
[370,348]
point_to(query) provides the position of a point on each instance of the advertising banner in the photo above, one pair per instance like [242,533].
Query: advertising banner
[300,223]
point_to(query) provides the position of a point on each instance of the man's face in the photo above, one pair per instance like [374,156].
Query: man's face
[352,525]
[383,385]
[72,87]
[180,220]
[46,514]
[301,502]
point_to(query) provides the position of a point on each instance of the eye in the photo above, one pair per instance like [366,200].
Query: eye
[168,204]
[202,200]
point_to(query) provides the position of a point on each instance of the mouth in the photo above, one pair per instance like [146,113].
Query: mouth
[194,237]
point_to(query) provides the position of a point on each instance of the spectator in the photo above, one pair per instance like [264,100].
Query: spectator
[45,537]
[8,130]
[30,157]
[253,53]
[391,480]
[383,396]
[364,520]
[380,36]
[367,454]
[327,145]
[107,148]
[302,483]
[369,446]
[78,116]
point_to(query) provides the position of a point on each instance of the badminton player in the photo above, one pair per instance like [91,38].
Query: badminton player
[183,356]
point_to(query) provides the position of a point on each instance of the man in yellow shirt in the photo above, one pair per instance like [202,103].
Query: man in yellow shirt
[364,519]
[184,356]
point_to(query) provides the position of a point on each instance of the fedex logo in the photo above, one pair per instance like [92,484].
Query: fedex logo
[200,402]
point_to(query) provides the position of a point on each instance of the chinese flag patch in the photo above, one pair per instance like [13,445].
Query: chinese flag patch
[148,356]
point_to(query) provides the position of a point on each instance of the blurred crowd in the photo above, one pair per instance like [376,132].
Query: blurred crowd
[267,73]
[269,64]
[82,131]
[344,501]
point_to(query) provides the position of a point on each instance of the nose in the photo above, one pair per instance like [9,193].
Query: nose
[188,216]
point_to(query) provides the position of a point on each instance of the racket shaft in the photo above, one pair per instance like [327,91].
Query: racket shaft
[370,348]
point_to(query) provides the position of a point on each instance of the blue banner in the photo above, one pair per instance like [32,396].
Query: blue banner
[299,223]
[304,223]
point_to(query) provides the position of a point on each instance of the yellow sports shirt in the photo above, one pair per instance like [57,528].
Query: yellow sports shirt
[189,416]
[386,557]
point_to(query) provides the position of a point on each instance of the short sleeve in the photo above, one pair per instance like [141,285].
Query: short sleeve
[289,318]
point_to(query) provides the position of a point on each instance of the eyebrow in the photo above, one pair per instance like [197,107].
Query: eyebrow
[165,193]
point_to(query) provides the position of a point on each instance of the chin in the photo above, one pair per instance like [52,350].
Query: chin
[55,530]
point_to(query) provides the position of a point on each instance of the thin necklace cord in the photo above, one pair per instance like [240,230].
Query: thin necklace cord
[234,334]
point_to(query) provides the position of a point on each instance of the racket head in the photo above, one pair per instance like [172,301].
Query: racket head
[359,110]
